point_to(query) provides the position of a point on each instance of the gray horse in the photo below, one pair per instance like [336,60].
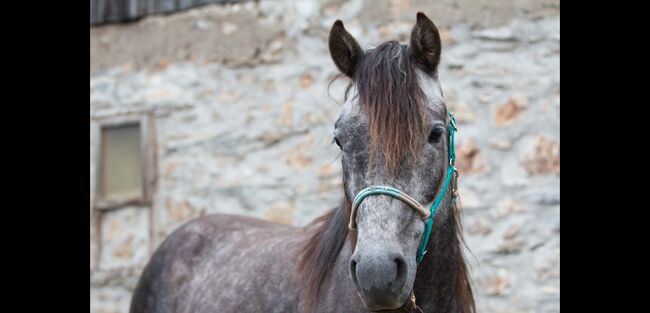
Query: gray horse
[393,130]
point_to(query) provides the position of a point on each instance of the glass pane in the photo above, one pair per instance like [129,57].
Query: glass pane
[121,163]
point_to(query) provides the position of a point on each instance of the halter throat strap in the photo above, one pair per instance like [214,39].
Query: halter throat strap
[426,214]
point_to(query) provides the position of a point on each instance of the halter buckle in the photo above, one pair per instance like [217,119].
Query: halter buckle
[454,184]
[452,121]
[413,304]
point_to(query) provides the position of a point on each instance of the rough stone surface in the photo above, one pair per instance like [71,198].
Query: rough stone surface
[125,238]
[510,111]
[543,158]
[470,160]
[244,121]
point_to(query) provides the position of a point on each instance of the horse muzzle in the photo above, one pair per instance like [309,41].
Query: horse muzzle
[380,279]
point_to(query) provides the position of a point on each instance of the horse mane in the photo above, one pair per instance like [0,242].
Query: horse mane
[463,284]
[388,88]
[389,91]
[321,249]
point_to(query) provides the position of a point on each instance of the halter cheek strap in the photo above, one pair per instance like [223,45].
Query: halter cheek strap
[427,215]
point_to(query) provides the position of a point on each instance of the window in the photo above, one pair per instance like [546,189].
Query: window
[123,164]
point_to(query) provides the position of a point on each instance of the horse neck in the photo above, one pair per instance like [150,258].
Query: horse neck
[439,281]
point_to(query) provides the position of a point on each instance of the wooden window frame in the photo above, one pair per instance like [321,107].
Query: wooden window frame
[148,154]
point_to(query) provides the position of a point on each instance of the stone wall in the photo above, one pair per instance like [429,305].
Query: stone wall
[244,121]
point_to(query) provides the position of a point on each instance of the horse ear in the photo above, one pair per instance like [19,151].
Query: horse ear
[425,42]
[344,49]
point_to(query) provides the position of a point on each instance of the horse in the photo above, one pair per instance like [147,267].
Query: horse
[380,249]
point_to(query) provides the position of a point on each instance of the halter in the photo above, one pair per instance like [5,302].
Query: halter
[427,215]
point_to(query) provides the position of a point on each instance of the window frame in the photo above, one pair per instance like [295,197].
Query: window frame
[99,206]
[146,154]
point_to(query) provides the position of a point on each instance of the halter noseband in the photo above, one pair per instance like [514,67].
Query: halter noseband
[427,215]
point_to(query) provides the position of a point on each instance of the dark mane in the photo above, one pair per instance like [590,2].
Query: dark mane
[389,91]
[322,247]
[463,283]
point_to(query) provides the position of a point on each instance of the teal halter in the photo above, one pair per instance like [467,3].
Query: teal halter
[427,215]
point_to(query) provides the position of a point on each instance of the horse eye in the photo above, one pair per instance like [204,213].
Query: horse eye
[435,135]
[336,141]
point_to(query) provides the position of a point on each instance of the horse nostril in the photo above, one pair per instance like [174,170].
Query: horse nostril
[400,274]
[353,272]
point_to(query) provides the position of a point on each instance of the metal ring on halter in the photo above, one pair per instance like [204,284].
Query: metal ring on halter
[388,191]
